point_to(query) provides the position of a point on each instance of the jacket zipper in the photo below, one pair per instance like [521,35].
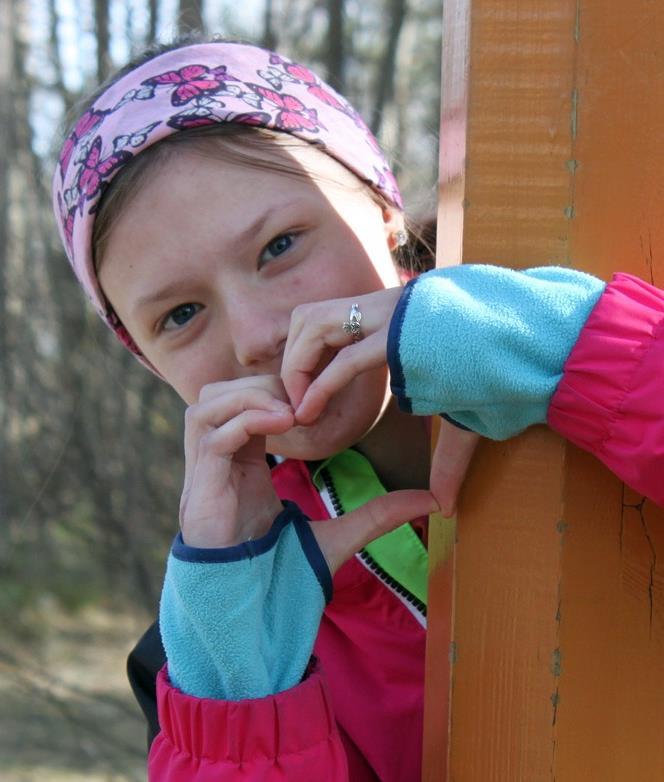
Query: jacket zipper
[366,558]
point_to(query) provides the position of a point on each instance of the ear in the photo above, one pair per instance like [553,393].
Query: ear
[393,221]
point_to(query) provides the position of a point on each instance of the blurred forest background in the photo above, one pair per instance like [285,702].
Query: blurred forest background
[90,443]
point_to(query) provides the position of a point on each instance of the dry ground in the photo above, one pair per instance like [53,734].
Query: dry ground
[66,711]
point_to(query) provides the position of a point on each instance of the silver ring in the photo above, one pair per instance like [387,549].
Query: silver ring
[352,325]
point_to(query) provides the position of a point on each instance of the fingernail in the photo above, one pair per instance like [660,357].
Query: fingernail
[279,413]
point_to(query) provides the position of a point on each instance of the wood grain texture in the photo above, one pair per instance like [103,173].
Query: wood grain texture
[551,152]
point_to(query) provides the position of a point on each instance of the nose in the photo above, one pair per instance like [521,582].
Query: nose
[258,334]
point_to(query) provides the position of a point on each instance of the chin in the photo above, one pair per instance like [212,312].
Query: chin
[311,443]
[349,416]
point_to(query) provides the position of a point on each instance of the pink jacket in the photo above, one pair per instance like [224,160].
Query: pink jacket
[611,398]
[358,716]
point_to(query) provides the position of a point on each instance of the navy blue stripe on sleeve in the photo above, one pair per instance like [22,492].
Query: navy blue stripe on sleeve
[315,556]
[451,420]
[246,550]
[397,379]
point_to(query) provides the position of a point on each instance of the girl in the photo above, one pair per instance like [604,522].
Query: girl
[235,223]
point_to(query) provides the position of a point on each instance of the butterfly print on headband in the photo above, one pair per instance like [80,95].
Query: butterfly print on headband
[124,336]
[144,92]
[257,118]
[276,77]
[95,169]
[292,114]
[196,117]
[386,181]
[135,139]
[67,220]
[293,71]
[88,123]
[192,81]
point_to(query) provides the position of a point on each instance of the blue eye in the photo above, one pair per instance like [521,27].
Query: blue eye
[180,316]
[277,247]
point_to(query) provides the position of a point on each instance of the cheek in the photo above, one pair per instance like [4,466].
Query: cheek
[185,387]
[347,264]
[190,373]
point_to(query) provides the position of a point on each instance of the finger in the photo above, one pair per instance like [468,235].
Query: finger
[340,538]
[346,365]
[226,457]
[218,447]
[236,433]
[216,410]
[271,383]
[451,459]
[314,330]
[318,327]
[297,381]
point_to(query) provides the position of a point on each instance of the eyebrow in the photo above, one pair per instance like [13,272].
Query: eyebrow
[246,234]
[165,292]
[252,230]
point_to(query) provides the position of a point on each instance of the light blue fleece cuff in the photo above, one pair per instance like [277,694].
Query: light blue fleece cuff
[240,622]
[487,345]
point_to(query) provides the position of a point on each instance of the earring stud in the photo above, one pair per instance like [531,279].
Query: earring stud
[401,238]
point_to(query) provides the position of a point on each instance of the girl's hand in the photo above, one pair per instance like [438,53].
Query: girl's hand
[268,598]
[342,537]
[451,458]
[316,339]
[320,358]
[228,496]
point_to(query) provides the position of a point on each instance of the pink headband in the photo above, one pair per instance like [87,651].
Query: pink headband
[191,87]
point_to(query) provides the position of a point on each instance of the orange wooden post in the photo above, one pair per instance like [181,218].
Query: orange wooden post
[552,152]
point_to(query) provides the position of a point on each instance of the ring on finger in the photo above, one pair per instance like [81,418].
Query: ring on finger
[352,326]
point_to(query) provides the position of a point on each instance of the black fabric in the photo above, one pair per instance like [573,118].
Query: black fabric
[455,423]
[145,661]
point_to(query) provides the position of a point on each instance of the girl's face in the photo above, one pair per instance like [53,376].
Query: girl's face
[209,258]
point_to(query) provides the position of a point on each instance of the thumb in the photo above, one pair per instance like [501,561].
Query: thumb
[451,458]
[340,538]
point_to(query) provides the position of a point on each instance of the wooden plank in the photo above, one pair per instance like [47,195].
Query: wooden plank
[611,711]
[551,152]
[440,650]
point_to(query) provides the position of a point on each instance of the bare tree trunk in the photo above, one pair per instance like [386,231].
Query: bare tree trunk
[269,36]
[54,55]
[153,19]
[386,66]
[335,44]
[6,146]
[295,23]
[190,16]
[130,30]
[103,40]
